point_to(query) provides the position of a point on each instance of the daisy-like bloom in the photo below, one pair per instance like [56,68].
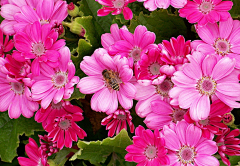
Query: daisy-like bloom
[35,156]
[64,129]
[147,149]
[204,11]
[222,40]
[5,46]
[47,115]
[47,146]
[134,45]
[203,79]
[15,95]
[109,79]
[152,5]
[117,121]
[116,7]
[55,84]
[19,14]
[213,123]
[187,145]
[163,113]
[39,43]
[228,144]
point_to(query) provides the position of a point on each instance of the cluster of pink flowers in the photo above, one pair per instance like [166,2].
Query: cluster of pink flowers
[185,90]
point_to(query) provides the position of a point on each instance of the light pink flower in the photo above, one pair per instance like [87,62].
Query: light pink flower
[55,84]
[228,144]
[5,46]
[34,153]
[64,129]
[134,45]
[15,95]
[205,78]
[47,146]
[163,113]
[116,7]
[152,5]
[39,43]
[147,149]
[222,40]
[187,145]
[117,121]
[204,11]
[18,14]
[109,79]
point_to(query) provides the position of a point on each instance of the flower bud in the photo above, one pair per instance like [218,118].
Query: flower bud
[73,10]
[76,28]
[228,119]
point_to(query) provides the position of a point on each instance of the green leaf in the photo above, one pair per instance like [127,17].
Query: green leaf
[235,12]
[76,95]
[164,25]
[98,151]
[10,130]
[233,160]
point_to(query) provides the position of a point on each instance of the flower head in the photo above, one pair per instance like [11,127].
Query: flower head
[48,147]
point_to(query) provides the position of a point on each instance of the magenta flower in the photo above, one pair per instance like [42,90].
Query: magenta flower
[228,144]
[64,129]
[5,46]
[34,153]
[39,43]
[147,149]
[222,40]
[162,114]
[187,145]
[202,79]
[55,84]
[116,7]
[47,146]
[109,79]
[15,95]
[117,121]
[134,45]
[19,14]
[204,11]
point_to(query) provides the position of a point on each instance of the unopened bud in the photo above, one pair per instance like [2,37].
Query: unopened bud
[73,10]
[228,119]
[76,28]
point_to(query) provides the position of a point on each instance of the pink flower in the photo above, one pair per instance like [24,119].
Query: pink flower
[213,123]
[222,40]
[109,79]
[187,145]
[228,144]
[15,95]
[134,45]
[116,7]
[204,11]
[117,121]
[47,115]
[5,46]
[64,130]
[47,146]
[205,78]
[19,14]
[147,149]
[34,153]
[39,43]
[55,84]
[162,114]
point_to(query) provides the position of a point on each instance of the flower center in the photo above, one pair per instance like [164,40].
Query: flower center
[154,69]
[206,86]
[40,162]
[42,22]
[17,87]
[121,117]
[118,4]
[204,122]
[206,7]
[186,155]
[38,49]
[151,152]
[222,46]
[60,79]
[64,124]
[57,106]
[164,87]
[112,80]
[178,115]
[136,54]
